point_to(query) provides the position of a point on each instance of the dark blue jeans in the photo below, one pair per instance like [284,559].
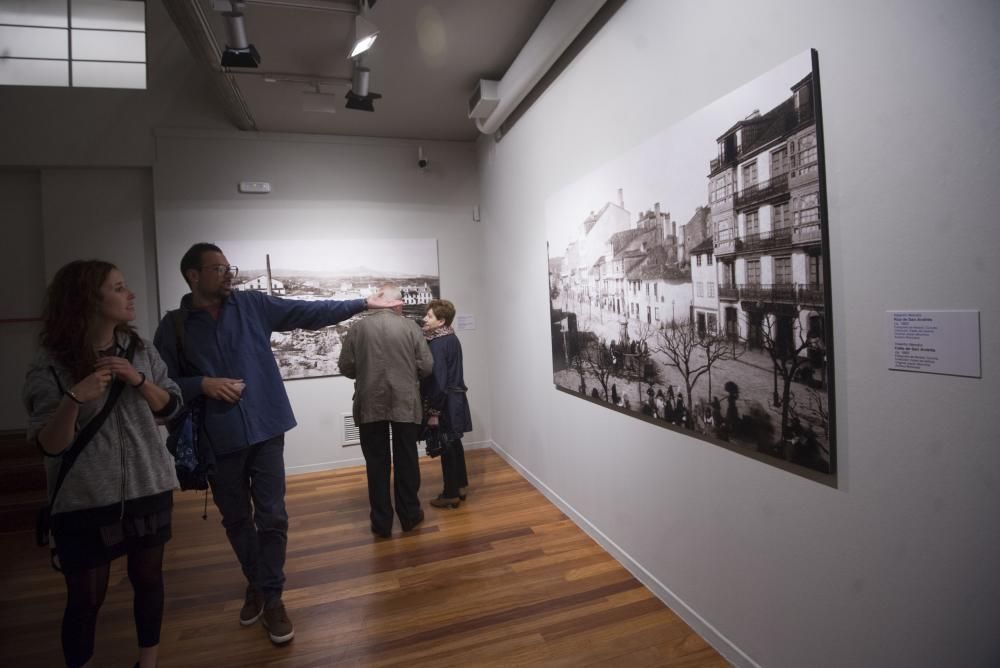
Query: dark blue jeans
[249,490]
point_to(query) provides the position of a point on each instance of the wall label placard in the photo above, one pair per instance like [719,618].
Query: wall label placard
[943,342]
[465,322]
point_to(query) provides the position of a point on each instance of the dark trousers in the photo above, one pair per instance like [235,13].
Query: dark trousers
[453,469]
[404,461]
[249,490]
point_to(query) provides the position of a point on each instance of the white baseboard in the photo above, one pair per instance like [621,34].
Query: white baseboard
[325,466]
[360,461]
[701,626]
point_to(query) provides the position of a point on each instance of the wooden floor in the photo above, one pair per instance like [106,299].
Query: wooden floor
[505,580]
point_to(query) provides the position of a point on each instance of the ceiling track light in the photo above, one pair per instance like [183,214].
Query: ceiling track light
[239,52]
[365,32]
[359,97]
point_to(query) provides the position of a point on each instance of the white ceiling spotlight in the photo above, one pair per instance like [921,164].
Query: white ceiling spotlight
[365,32]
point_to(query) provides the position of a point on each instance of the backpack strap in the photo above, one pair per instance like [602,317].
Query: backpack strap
[86,435]
[179,317]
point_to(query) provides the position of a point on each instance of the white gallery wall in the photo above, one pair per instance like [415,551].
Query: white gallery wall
[898,565]
[327,188]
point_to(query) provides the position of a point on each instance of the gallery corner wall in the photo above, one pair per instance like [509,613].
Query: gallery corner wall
[896,565]
[327,188]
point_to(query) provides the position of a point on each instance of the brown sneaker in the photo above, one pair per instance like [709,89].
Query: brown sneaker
[443,501]
[253,606]
[278,626]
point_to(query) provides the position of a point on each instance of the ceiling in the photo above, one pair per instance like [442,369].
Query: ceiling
[426,62]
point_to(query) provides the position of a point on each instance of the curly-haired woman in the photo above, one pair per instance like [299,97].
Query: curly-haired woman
[116,497]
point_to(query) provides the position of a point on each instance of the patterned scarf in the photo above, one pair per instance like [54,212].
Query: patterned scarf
[437,332]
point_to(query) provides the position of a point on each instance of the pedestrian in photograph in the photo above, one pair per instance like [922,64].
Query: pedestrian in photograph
[224,336]
[94,393]
[446,405]
[387,356]
[659,404]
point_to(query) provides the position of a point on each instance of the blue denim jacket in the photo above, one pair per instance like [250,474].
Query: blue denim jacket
[237,345]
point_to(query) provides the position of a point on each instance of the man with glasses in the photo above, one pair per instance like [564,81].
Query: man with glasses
[224,337]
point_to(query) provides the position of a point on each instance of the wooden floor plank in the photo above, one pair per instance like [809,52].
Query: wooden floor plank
[504,580]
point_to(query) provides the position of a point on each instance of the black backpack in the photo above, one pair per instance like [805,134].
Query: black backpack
[193,457]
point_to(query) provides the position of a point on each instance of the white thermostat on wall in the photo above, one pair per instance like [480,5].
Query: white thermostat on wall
[255,187]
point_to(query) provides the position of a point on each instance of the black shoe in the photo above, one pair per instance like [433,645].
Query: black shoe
[410,526]
[253,606]
[278,625]
[380,533]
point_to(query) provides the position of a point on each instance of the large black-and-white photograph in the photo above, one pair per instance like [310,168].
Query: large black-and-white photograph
[332,269]
[688,278]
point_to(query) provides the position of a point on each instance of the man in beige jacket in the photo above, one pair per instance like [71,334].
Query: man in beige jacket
[386,355]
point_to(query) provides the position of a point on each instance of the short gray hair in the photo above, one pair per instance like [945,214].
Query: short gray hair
[391,291]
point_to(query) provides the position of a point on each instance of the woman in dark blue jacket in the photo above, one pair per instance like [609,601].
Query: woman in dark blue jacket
[446,405]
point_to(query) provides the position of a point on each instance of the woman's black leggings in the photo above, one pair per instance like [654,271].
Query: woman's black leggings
[85,594]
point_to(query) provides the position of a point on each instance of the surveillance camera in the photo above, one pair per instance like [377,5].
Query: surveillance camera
[422,162]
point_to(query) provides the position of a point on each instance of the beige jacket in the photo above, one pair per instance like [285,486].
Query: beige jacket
[386,355]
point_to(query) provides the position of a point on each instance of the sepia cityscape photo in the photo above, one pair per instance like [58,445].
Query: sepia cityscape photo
[313,269]
[688,279]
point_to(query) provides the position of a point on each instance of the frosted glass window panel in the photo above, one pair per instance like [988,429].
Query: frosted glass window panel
[102,45]
[47,13]
[109,75]
[109,14]
[34,72]
[19,42]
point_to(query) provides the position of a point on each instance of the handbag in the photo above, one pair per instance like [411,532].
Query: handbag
[438,442]
[43,520]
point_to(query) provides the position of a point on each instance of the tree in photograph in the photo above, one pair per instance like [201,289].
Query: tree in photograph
[787,343]
[686,352]
[641,367]
[715,348]
[595,358]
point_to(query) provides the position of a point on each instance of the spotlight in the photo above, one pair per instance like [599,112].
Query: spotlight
[365,31]
[238,52]
[359,98]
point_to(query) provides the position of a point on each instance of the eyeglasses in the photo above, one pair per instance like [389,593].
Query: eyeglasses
[223,269]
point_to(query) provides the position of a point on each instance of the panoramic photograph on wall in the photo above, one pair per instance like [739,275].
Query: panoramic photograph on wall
[689,277]
[340,269]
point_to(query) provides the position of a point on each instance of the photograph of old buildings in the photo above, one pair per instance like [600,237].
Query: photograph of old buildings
[332,269]
[687,278]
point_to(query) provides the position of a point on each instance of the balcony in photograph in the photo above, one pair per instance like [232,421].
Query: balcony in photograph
[760,192]
[729,293]
[812,295]
[765,240]
[778,293]
[807,233]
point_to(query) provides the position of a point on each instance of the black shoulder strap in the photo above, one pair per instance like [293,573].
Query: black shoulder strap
[179,317]
[85,435]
